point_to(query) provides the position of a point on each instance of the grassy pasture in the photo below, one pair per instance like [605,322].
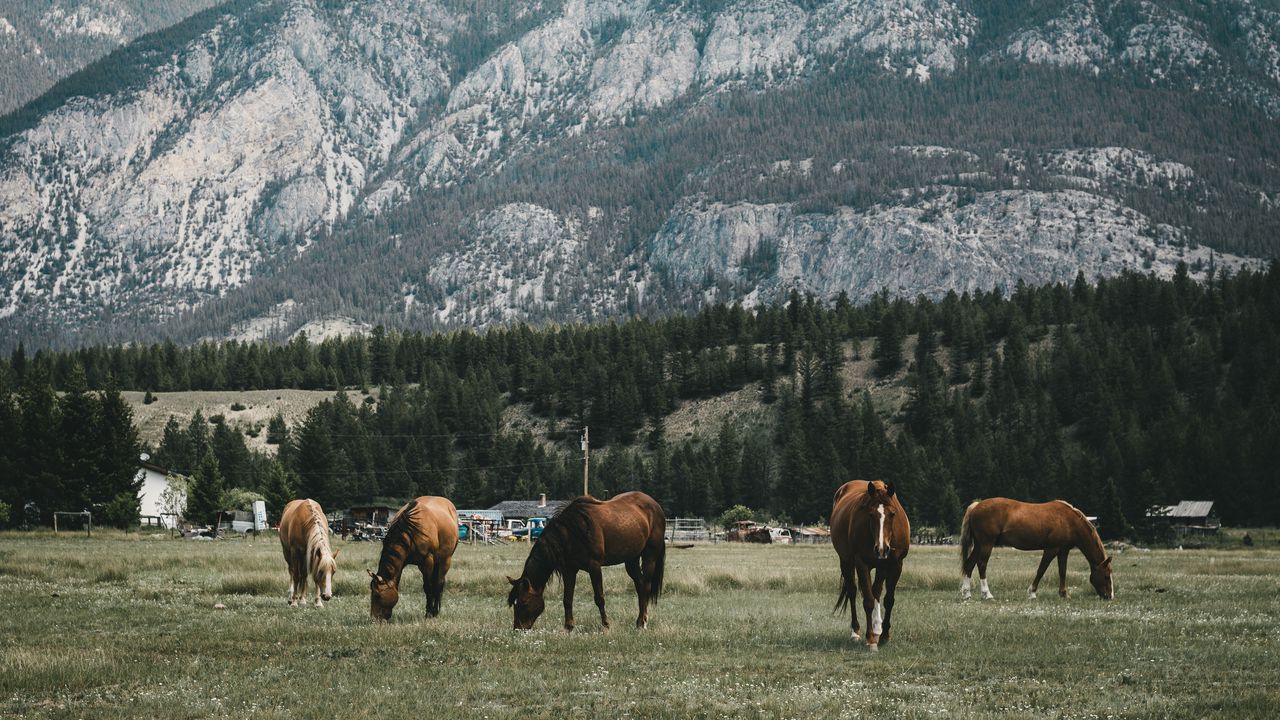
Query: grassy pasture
[125,626]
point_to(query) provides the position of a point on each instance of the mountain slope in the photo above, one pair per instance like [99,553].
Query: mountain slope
[42,42]
[270,163]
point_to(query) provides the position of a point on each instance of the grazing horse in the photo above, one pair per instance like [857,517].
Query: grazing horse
[870,530]
[1054,527]
[423,532]
[304,537]
[588,534]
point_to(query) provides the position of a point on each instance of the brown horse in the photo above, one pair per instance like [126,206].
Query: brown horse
[423,532]
[588,534]
[1054,527]
[304,538]
[870,530]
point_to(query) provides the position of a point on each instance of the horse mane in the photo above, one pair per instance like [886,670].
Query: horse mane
[1093,530]
[317,538]
[569,528]
[399,526]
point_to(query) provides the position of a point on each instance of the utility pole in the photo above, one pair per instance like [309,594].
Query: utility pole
[586,457]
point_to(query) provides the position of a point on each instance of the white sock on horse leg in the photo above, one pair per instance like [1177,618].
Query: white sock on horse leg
[876,619]
[986,591]
[1031,592]
[965,592]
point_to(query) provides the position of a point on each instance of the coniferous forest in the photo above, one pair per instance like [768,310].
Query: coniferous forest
[1115,395]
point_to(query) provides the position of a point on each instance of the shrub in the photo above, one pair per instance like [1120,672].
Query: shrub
[122,511]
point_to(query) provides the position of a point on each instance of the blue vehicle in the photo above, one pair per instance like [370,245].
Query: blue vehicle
[531,530]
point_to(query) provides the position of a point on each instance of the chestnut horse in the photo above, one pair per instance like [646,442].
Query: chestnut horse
[870,531]
[588,534]
[423,532]
[304,538]
[1054,527]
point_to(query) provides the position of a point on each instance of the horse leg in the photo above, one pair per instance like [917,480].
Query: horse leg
[893,572]
[871,606]
[293,584]
[966,572]
[299,570]
[437,581]
[984,554]
[427,568]
[1044,565]
[1062,572]
[642,592]
[597,587]
[569,581]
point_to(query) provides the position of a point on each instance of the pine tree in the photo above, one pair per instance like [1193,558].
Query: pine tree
[205,500]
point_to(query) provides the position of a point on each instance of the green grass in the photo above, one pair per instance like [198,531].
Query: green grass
[125,626]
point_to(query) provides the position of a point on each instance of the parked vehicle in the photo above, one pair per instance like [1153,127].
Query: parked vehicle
[530,530]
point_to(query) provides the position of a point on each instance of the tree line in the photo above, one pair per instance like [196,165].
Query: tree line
[1115,395]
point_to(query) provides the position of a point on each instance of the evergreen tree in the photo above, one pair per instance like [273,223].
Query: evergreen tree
[205,500]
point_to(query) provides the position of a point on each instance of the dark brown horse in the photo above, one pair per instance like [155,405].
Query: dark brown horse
[423,532]
[1054,527]
[588,534]
[870,531]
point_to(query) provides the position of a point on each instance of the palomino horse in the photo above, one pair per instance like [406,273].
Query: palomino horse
[423,532]
[588,534]
[870,530]
[304,537]
[1054,527]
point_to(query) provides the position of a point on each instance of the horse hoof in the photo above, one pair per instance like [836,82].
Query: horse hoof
[854,635]
[988,596]
[874,647]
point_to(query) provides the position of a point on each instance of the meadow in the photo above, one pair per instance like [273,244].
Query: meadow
[125,626]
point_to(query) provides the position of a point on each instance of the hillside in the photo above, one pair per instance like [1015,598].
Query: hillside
[43,42]
[274,163]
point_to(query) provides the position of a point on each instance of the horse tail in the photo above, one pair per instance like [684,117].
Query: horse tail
[966,535]
[847,593]
[655,583]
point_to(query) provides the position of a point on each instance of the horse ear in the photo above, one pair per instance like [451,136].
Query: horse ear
[872,490]
[335,553]
[888,489]
[370,573]
[512,580]
[1107,563]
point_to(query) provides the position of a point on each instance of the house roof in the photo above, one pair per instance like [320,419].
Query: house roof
[1188,509]
[529,508]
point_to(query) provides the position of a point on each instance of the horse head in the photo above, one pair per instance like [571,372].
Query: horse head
[323,567]
[883,517]
[383,596]
[527,601]
[1100,578]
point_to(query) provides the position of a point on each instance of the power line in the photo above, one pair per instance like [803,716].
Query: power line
[508,433]
[421,470]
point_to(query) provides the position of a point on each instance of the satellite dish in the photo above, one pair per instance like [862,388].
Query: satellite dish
[144,457]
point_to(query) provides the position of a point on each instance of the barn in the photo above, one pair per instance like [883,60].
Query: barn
[1189,517]
[525,509]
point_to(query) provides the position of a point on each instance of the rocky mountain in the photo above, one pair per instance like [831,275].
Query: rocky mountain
[43,42]
[272,163]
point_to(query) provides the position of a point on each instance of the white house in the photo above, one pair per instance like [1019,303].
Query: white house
[155,482]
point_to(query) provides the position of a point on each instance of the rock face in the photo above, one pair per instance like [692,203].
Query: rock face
[930,245]
[237,158]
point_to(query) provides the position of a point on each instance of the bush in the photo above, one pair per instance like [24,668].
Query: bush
[148,398]
[237,407]
[734,514]
[122,511]
[5,513]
